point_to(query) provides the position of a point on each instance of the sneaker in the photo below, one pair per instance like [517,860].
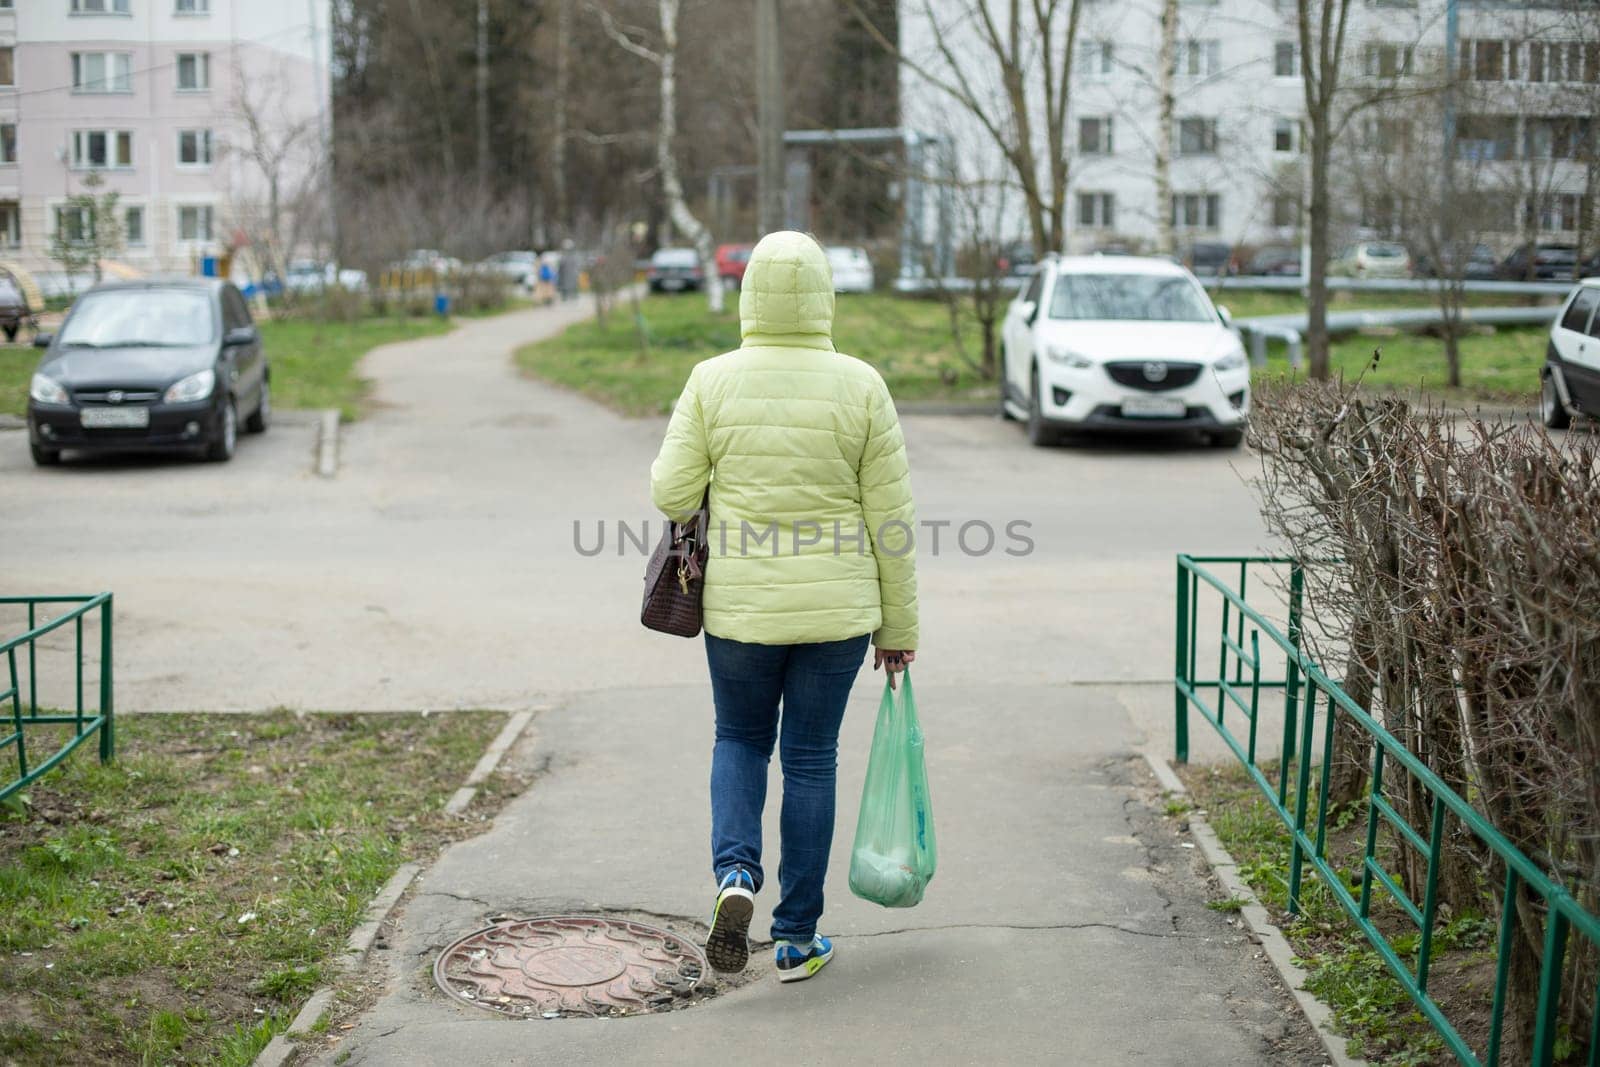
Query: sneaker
[728,945]
[796,963]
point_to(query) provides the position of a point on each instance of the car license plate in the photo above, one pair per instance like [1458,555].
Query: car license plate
[672,283]
[1152,407]
[136,418]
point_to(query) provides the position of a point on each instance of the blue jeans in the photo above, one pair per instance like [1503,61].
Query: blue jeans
[747,682]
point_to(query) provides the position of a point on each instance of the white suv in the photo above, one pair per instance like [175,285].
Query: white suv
[1571,376]
[1121,343]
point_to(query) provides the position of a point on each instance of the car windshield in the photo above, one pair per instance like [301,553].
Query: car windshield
[676,257]
[1385,251]
[1129,297]
[152,317]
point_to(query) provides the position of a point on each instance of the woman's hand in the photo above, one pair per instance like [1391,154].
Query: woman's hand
[892,660]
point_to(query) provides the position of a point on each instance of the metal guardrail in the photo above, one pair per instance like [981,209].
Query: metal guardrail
[1339,283]
[85,725]
[1304,685]
[1291,328]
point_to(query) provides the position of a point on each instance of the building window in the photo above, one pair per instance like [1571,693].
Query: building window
[1556,137]
[1285,135]
[194,222]
[10,224]
[1196,211]
[74,225]
[102,72]
[1094,136]
[1483,60]
[1097,211]
[1197,59]
[1557,213]
[1095,59]
[100,7]
[7,5]
[194,148]
[194,71]
[8,66]
[1554,61]
[1285,211]
[1197,137]
[1385,60]
[1386,136]
[1286,60]
[8,142]
[1481,137]
[191,7]
[102,149]
[133,226]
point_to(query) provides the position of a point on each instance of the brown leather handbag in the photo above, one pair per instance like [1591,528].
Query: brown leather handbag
[676,576]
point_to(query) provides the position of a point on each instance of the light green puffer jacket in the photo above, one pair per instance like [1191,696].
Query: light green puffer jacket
[796,437]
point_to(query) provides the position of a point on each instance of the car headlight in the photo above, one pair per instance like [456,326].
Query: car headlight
[47,390]
[1072,360]
[1230,362]
[196,386]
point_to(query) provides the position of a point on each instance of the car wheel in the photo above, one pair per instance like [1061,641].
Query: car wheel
[258,422]
[220,450]
[11,331]
[1039,432]
[44,457]
[1550,410]
[1005,415]
[1227,438]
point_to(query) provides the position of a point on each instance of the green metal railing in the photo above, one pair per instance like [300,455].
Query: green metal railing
[85,723]
[1239,683]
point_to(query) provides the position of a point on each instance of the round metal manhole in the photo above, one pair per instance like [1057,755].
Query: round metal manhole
[572,965]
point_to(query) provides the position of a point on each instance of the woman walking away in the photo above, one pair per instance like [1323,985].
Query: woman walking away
[810,529]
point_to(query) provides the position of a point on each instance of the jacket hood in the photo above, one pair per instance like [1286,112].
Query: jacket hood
[787,290]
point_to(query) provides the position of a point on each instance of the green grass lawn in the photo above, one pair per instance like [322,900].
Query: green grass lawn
[180,903]
[909,341]
[313,363]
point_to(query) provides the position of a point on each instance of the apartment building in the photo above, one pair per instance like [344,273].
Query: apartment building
[1524,122]
[180,107]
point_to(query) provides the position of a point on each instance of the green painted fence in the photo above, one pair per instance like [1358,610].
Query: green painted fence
[1267,667]
[22,692]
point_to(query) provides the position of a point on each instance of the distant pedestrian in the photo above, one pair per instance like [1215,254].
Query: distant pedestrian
[546,290]
[800,443]
[567,272]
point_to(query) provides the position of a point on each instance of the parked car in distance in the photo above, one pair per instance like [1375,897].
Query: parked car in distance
[515,267]
[1590,267]
[731,263]
[150,365]
[852,269]
[428,259]
[1274,261]
[1017,260]
[1542,262]
[1570,379]
[309,276]
[1208,258]
[674,270]
[1372,259]
[13,308]
[1474,262]
[1125,344]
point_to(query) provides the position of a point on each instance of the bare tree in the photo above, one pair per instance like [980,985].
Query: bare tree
[665,60]
[1015,87]
[1322,25]
[288,157]
[1166,76]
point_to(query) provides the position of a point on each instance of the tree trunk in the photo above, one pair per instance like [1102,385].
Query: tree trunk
[558,146]
[667,161]
[1164,83]
[1317,273]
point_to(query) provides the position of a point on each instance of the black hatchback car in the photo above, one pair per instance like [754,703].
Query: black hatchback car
[150,366]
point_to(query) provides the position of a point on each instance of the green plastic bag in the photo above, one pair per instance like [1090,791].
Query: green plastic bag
[895,854]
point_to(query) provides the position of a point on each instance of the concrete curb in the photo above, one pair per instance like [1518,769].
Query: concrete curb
[1255,916]
[328,443]
[490,760]
[13,422]
[282,1047]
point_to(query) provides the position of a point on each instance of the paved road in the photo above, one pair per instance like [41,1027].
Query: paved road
[439,570]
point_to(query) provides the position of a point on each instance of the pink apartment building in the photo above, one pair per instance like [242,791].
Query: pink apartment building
[171,102]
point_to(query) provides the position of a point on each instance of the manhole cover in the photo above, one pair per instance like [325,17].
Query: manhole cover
[565,965]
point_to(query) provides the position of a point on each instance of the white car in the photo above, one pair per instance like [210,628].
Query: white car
[852,269]
[1121,343]
[1372,259]
[1570,380]
[518,268]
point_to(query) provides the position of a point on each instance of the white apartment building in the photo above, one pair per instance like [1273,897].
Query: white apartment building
[1237,166]
[173,104]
